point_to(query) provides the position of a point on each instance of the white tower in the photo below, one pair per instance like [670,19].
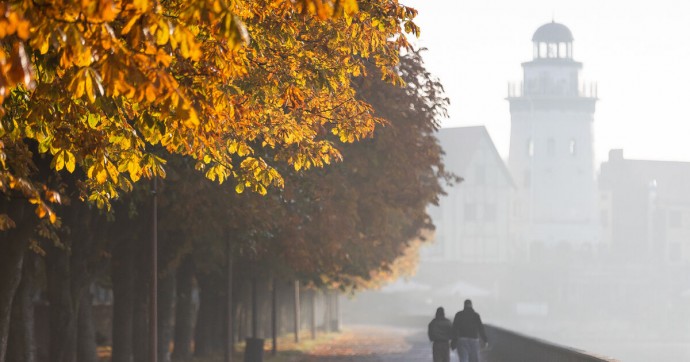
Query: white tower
[551,146]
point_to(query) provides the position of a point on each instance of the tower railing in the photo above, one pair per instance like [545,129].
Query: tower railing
[552,89]
[508,346]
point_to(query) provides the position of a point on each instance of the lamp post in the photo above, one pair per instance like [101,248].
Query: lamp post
[153,317]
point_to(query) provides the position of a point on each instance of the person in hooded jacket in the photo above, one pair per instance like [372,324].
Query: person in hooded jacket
[468,329]
[440,333]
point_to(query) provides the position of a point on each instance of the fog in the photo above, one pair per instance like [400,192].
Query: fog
[553,232]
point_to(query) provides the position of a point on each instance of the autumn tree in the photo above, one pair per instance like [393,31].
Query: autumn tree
[347,224]
[95,85]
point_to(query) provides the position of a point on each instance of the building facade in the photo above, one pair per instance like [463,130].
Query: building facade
[551,156]
[646,209]
[473,219]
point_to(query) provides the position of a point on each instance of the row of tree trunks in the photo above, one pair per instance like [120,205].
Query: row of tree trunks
[71,310]
[13,247]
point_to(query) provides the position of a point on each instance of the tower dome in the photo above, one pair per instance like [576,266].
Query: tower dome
[553,40]
[552,33]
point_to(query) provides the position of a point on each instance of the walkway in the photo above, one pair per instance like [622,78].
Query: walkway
[375,344]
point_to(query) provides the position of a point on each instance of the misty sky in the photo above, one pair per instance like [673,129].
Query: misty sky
[638,52]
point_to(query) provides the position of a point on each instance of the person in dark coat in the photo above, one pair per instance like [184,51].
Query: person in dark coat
[440,333]
[468,329]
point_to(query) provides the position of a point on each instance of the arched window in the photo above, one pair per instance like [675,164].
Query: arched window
[530,148]
[573,147]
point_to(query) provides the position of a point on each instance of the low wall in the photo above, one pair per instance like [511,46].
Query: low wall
[508,346]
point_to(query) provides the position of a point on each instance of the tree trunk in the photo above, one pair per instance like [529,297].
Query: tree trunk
[297,311]
[63,321]
[209,328]
[86,342]
[184,311]
[13,245]
[121,276]
[312,320]
[141,283]
[166,301]
[22,343]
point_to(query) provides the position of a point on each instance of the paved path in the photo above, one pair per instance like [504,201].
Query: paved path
[375,344]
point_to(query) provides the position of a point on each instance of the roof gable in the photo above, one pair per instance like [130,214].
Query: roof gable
[460,144]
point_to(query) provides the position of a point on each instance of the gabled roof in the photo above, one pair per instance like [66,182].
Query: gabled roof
[460,145]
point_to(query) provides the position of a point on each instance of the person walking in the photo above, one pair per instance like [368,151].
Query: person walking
[468,329]
[440,333]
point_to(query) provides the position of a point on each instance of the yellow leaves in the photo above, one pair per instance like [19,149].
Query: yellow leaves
[64,159]
[324,9]
[293,97]
[218,172]
[15,69]
[76,51]
[130,24]
[116,77]
[12,22]
[162,30]
[86,81]
[183,40]
[53,196]
[240,148]
[42,210]
[233,30]
[141,5]
[98,172]
[257,175]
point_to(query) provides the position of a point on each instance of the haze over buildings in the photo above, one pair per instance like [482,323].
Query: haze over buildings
[548,240]
[637,52]
[550,248]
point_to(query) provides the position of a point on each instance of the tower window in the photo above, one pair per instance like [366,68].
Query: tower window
[552,50]
[470,212]
[573,147]
[530,148]
[551,146]
[490,212]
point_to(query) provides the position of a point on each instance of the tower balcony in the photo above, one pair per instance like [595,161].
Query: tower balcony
[546,89]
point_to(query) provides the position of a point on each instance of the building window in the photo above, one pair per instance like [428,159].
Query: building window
[573,147]
[530,148]
[551,147]
[490,212]
[480,174]
[604,218]
[675,219]
[674,252]
[470,212]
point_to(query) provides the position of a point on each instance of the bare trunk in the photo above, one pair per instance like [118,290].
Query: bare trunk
[166,301]
[121,276]
[63,321]
[86,342]
[22,343]
[209,328]
[13,245]
[184,311]
[140,321]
